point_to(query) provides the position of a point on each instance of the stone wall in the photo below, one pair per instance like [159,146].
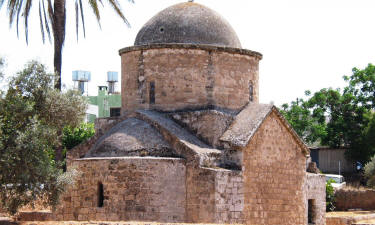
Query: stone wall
[200,195]
[348,198]
[214,195]
[208,125]
[182,77]
[229,197]
[134,188]
[274,176]
[316,190]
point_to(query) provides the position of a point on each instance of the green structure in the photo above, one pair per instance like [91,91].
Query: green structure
[104,105]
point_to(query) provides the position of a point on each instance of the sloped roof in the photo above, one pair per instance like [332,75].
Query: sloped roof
[248,121]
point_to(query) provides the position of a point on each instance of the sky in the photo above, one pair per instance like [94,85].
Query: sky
[306,44]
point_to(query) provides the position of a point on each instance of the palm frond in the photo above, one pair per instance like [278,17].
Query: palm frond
[26,14]
[95,9]
[41,22]
[82,18]
[46,22]
[12,9]
[18,15]
[116,6]
[1,3]
[77,17]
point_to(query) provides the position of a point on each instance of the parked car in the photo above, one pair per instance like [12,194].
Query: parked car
[339,180]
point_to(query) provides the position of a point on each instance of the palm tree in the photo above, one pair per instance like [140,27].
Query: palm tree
[52,17]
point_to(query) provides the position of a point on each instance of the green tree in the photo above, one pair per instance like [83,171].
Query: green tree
[362,85]
[342,116]
[73,136]
[370,172]
[1,68]
[52,17]
[32,113]
[299,115]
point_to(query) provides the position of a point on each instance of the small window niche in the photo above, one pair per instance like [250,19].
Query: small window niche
[251,91]
[113,112]
[152,92]
[100,195]
[311,212]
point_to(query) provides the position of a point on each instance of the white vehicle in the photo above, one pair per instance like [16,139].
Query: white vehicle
[339,180]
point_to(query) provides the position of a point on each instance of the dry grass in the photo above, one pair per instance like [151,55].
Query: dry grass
[101,223]
[366,222]
[351,187]
[349,213]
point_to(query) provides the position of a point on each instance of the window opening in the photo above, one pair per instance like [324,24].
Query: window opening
[152,92]
[311,211]
[100,195]
[114,112]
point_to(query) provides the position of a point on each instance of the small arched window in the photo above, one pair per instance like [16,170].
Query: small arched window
[100,195]
[251,91]
[152,92]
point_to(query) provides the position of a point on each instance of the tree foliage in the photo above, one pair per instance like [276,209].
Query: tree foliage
[74,136]
[330,196]
[1,68]
[370,172]
[307,126]
[339,118]
[32,114]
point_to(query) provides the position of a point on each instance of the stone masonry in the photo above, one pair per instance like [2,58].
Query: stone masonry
[274,175]
[201,76]
[135,188]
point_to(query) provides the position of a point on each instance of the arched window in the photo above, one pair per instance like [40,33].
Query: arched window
[152,92]
[311,214]
[251,91]
[100,195]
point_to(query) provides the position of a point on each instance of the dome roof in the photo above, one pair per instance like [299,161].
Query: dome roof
[188,23]
[131,137]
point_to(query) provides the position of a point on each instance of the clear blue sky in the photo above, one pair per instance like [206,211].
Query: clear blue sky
[306,44]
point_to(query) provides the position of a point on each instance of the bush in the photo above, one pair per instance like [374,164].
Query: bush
[370,172]
[32,116]
[330,196]
[75,136]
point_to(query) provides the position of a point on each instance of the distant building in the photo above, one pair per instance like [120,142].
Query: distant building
[106,104]
[332,160]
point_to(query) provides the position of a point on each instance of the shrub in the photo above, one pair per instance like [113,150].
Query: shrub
[370,172]
[32,116]
[75,136]
[330,196]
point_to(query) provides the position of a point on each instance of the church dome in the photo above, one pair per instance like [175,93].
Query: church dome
[188,23]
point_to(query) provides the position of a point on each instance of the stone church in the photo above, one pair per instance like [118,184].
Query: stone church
[193,144]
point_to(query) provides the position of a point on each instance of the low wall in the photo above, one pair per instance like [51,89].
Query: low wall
[354,199]
[339,218]
[339,221]
[316,190]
